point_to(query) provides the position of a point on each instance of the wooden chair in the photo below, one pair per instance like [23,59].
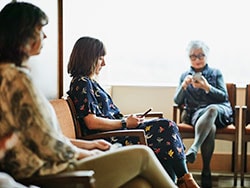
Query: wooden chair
[76,179]
[79,179]
[70,128]
[245,132]
[107,134]
[230,133]
[66,115]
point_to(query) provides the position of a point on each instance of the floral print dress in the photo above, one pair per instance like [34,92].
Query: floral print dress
[90,98]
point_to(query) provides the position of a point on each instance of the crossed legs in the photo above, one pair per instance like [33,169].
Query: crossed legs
[205,130]
[204,135]
[115,168]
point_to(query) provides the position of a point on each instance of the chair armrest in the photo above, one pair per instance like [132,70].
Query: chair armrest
[107,134]
[244,117]
[154,114]
[236,115]
[175,112]
[81,177]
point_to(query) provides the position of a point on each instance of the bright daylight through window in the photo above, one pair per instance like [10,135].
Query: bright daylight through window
[146,40]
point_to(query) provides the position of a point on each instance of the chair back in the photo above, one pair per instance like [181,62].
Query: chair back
[231,90]
[247,104]
[71,105]
[63,113]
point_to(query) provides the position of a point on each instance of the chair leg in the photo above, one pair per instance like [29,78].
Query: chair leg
[233,157]
[243,162]
[235,160]
[245,158]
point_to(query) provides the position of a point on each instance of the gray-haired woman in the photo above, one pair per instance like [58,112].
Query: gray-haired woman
[203,92]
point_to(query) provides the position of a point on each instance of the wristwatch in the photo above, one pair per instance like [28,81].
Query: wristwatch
[124,124]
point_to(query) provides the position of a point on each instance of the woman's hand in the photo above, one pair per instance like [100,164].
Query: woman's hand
[82,153]
[91,144]
[101,144]
[188,80]
[133,121]
[202,84]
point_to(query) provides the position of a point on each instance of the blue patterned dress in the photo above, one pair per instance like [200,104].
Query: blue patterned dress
[162,134]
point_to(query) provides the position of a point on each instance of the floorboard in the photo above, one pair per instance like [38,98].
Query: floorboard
[221,180]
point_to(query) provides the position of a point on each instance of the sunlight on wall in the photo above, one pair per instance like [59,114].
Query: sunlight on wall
[146,40]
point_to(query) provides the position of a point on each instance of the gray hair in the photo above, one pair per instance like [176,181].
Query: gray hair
[197,44]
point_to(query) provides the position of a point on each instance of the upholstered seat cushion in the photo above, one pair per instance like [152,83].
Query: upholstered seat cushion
[230,129]
[183,127]
[248,129]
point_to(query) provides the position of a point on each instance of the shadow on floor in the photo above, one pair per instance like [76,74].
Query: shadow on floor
[223,180]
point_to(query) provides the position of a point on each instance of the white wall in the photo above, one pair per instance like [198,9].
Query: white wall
[134,99]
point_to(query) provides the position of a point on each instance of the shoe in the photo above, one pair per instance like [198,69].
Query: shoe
[206,180]
[191,155]
[187,181]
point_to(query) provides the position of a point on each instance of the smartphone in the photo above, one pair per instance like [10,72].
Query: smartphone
[145,113]
[197,76]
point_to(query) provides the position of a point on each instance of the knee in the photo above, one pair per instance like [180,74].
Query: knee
[141,150]
[212,111]
[171,125]
[142,153]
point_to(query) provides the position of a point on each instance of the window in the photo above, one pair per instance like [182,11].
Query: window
[146,40]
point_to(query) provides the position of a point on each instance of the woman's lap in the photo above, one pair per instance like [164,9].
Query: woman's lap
[162,136]
[127,163]
[221,120]
[164,139]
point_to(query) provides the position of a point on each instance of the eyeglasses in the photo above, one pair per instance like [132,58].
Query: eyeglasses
[199,56]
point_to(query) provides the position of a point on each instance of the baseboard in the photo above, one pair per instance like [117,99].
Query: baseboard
[219,163]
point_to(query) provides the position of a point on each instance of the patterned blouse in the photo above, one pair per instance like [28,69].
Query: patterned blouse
[90,98]
[41,148]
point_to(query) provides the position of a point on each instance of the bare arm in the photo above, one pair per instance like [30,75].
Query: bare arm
[99,123]
[91,144]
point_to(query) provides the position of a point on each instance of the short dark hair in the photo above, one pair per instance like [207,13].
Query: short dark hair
[18,21]
[84,56]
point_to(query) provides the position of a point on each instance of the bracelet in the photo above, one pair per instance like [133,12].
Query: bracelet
[124,124]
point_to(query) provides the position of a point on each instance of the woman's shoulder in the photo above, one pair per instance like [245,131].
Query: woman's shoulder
[211,68]
[83,82]
[212,71]
[81,79]
[14,74]
[12,70]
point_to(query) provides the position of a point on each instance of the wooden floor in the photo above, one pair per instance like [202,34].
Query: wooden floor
[223,180]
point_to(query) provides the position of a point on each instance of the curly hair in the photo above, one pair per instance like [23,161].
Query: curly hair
[18,21]
[197,44]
